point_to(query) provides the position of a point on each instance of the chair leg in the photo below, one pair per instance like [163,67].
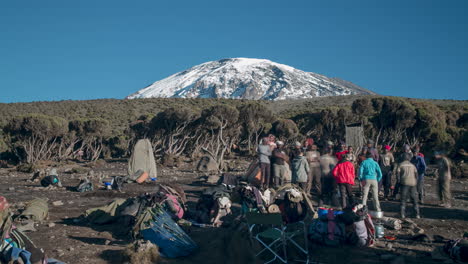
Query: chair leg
[268,247]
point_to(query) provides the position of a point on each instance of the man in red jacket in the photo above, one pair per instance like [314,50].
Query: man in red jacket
[344,174]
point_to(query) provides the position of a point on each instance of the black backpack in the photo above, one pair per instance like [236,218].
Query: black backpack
[50,180]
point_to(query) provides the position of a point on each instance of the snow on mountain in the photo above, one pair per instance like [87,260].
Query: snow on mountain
[244,78]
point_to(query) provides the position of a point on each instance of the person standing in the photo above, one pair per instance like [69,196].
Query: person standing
[264,154]
[373,150]
[315,174]
[342,151]
[407,175]
[352,156]
[300,168]
[443,166]
[280,165]
[369,175]
[420,163]
[327,163]
[344,174]
[387,162]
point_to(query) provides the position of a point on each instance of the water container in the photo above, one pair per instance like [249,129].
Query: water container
[379,231]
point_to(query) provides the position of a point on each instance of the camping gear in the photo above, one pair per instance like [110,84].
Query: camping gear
[328,232]
[105,214]
[213,205]
[457,249]
[157,226]
[379,230]
[50,180]
[378,223]
[273,209]
[118,182]
[251,199]
[85,185]
[376,214]
[143,177]
[19,247]
[142,159]
[273,239]
[36,210]
[391,223]
[352,226]
[254,174]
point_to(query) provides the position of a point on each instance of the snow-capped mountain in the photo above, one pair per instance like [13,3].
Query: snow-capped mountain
[244,78]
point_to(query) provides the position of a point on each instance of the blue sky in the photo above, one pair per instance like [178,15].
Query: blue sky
[88,49]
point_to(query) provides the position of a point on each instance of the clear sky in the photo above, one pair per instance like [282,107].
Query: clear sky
[90,49]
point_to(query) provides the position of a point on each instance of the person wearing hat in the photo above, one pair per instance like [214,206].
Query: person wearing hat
[420,163]
[387,162]
[373,150]
[443,166]
[407,176]
[370,175]
[344,174]
[280,159]
[342,151]
[292,153]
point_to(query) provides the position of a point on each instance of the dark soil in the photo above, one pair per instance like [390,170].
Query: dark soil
[75,241]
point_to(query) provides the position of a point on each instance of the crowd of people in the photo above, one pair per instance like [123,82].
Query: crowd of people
[330,173]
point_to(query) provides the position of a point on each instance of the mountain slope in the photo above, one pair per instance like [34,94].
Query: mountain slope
[243,78]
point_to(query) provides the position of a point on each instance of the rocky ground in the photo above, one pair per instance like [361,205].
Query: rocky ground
[66,238]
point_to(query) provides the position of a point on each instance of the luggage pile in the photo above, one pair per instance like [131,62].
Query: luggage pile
[213,206]
[152,217]
[352,226]
[15,246]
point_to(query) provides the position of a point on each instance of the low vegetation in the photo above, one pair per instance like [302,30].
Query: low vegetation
[89,130]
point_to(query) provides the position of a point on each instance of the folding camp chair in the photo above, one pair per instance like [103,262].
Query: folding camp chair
[270,238]
[294,230]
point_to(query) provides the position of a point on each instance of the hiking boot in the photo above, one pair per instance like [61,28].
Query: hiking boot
[418,216]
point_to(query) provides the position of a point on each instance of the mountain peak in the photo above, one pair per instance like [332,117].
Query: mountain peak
[247,78]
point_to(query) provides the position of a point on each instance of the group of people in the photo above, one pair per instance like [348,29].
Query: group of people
[331,173]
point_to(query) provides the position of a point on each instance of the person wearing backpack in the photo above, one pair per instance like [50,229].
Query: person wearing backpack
[407,176]
[301,169]
[370,175]
[344,174]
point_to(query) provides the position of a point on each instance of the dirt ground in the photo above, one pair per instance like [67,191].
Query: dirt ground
[75,241]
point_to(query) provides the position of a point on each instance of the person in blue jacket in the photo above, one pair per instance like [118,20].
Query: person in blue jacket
[420,163]
[370,175]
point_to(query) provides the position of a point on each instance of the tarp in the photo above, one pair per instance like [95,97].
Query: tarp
[142,159]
